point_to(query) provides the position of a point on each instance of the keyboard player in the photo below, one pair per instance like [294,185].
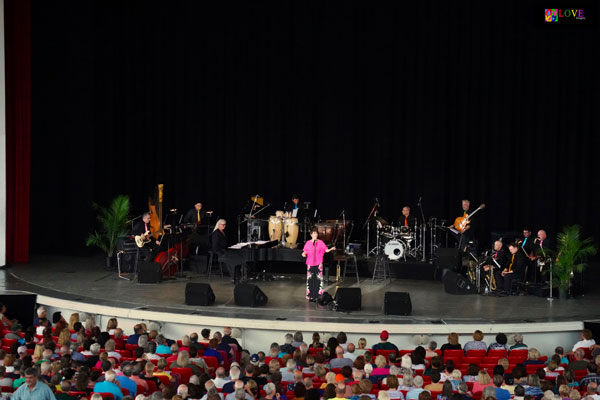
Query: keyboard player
[232,260]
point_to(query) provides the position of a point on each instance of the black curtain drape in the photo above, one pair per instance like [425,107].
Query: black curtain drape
[340,103]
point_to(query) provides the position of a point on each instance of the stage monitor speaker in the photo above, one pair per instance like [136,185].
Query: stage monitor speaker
[20,307]
[455,283]
[397,303]
[348,299]
[249,295]
[199,294]
[149,272]
[448,257]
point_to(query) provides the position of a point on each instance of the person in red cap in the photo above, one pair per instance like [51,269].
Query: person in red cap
[384,344]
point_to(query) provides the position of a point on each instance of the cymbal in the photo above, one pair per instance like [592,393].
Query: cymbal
[258,200]
[380,221]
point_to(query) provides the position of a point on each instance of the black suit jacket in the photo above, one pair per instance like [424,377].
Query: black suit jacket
[218,242]
[519,263]
[191,217]
[546,245]
[290,208]
[139,227]
[411,221]
[501,258]
[529,246]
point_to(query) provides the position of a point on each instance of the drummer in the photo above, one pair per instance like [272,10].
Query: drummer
[407,220]
[293,209]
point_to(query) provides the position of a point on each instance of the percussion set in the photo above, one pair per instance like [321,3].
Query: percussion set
[399,242]
[284,228]
[396,242]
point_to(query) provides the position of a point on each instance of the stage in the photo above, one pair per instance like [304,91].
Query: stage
[85,280]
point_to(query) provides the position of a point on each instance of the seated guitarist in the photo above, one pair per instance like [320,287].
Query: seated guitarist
[142,227]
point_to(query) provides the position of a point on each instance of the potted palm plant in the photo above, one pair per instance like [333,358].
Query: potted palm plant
[113,225]
[573,251]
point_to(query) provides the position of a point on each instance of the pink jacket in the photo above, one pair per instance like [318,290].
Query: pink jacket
[314,252]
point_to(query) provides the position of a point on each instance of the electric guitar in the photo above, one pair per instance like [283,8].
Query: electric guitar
[461,224]
[142,239]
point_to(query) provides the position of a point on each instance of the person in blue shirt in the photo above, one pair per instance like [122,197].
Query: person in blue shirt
[109,386]
[212,350]
[501,394]
[162,347]
[137,332]
[125,379]
[33,389]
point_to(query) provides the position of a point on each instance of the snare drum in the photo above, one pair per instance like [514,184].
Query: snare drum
[394,249]
[275,227]
[290,227]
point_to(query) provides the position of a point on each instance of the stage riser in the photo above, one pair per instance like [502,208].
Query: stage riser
[257,335]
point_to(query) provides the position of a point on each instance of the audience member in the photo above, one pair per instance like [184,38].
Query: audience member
[519,345]
[452,343]
[477,343]
[384,344]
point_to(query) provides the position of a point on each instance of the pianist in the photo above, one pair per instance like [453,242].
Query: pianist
[218,242]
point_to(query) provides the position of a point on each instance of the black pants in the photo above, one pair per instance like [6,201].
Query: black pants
[505,282]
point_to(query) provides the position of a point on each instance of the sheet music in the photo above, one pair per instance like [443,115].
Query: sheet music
[238,246]
[241,245]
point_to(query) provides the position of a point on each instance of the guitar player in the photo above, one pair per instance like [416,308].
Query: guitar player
[142,227]
[468,234]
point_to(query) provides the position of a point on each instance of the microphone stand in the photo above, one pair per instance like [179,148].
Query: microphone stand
[366,224]
[423,231]
[133,219]
[344,221]
[248,227]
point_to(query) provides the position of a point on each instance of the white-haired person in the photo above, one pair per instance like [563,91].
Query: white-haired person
[218,241]
[418,388]
[41,313]
[109,386]
[519,345]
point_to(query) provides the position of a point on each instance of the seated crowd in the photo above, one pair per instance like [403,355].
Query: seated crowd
[78,360]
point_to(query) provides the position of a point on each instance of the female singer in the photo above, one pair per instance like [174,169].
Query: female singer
[314,250]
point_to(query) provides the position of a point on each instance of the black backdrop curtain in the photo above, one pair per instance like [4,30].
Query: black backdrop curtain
[339,102]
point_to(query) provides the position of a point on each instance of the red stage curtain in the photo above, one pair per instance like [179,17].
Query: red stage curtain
[17,28]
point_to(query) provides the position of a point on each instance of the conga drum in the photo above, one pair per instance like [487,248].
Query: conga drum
[291,229]
[279,213]
[274,228]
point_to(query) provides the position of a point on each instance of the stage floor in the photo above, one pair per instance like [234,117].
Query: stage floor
[84,279]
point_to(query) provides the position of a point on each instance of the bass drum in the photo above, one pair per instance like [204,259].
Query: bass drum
[275,228]
[394,249]
[291,229]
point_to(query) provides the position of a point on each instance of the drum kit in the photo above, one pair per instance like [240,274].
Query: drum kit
[400,242]
[396,241]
